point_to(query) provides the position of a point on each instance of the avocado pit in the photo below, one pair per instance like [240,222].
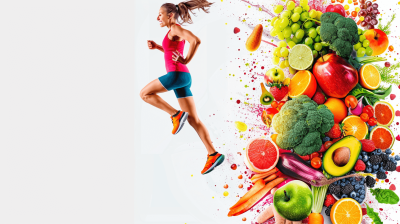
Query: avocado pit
[341,156]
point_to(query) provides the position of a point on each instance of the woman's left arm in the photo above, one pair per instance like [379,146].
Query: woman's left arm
[191,38]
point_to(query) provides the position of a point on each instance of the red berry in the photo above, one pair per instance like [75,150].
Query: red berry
[360,165]
[368,110]
[335,132]
[367,145]
[319,98]
[314,155]
[392,96]
[387,64]
[279,93]
[236,30]
[372,121]
[330,200]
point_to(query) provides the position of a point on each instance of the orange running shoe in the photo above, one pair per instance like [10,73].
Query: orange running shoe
[178,121]
[212,162]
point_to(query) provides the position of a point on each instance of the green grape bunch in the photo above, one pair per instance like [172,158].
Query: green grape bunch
[362,47]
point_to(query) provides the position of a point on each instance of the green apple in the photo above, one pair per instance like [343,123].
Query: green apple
[276,74]
[293,201]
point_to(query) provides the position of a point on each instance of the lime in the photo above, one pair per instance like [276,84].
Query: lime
[301,57]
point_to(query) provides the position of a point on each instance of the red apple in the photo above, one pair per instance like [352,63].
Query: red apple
[338,8]
[378,41]
[335,76]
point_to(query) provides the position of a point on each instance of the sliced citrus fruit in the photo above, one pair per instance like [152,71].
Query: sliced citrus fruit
[384,113]
[302,83]
[338,109]
[370,77]
[261,155]
[346,210]
[301,57]
[382,137]
[353,125]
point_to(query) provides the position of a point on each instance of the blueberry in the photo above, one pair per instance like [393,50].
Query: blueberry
[326,139]
[379,150]
[368,164]
[344,196]
[373,153]
[362,196]
[388,151]
[375,167]
[362,182]
[353,183]
[365,158]
[352,179]
[392,159]
[353,194]
[359,200]
[343,184]
[381,169]
[397,157]
[362,187]
[368,170]
[374,172]
[359,157]
[347,182]
[357,186]
[357,194]
[370,128]
[363,153]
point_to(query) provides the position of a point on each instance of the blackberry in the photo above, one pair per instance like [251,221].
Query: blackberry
[384,157]
[389,166]
[334,189]
[370,181]
[381,175]
[347,189]
[328,210]
[375,159]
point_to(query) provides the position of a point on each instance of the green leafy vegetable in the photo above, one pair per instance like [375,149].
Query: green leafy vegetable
[373,215]
[387,75]
[385,196]
[386,29]
[358,91]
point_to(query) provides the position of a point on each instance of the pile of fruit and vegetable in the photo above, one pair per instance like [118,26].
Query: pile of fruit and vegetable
[330,140]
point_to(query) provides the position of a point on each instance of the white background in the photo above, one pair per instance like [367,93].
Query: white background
[77,143]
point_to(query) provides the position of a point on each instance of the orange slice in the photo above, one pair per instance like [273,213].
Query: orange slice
[384,113]
[370,77]
[303,83]
[346,210]
[353,125]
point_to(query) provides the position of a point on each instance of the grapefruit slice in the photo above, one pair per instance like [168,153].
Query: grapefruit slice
[382,137]
[384,113]
[353,125]
[261,155]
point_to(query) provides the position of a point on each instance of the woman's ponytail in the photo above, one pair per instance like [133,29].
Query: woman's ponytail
[182,9]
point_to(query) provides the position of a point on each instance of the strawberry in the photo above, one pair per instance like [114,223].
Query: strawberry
[367,145]
[360,165]
[236,30]
[279,92]
[335,131]
[330,200]
[319,98]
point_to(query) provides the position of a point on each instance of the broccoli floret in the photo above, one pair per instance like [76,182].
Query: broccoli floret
[311,143]
[299,121]
[339,32]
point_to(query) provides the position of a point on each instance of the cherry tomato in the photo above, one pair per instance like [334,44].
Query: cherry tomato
[364,117]
[351,101]
[274,104]
[271,110]
[372,121]
[306,157]
[314,154]
[316,162]
[280,105]
[327,144]
[368,110]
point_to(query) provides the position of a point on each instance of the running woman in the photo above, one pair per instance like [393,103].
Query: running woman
[178,77]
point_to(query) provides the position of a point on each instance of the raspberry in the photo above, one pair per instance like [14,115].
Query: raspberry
[335,132]
[367,145]
[360,165]
[319,98]
[236,30]
[330,200]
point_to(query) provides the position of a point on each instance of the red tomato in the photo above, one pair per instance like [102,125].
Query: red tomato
[316,162]
[351,101]
[280,105]
[327,144]
[271,110]
[306,157]
[372,121]
[364,117]
[274,104]
[368,110]
[314,154]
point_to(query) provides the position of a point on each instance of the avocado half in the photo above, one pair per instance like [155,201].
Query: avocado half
[330,167]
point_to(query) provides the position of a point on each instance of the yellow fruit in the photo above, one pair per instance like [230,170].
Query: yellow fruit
[346,210]
[370,77]
[286,82]
[240,126]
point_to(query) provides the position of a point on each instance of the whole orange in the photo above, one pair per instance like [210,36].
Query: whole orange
[338,108]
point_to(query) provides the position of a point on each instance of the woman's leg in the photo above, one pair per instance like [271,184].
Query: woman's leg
[149,95]
[187,105]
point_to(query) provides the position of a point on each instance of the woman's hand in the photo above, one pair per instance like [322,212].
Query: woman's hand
[178,57]
[151,44]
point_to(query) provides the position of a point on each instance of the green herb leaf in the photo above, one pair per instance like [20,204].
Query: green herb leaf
[386,28]
[385,196]
[387,75]
[373,215]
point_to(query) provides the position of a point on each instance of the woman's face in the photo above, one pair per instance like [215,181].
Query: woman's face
[163,17]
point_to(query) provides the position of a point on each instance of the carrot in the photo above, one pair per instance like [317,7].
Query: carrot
[272,177]
[255,198]
[263,175]
[257,186]
[266,214]
[315,218]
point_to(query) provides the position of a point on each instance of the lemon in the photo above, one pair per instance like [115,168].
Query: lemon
[301,57]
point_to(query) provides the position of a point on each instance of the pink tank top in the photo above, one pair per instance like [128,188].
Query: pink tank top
[169,47]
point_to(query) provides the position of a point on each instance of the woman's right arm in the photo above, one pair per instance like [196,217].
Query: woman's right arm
[152,45]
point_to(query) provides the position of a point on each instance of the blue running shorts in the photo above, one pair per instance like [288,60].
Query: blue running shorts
[180,82]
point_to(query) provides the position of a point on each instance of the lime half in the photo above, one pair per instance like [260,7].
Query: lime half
[301,57]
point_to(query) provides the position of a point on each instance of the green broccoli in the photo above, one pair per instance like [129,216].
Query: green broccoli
[300,123]
[339,32]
